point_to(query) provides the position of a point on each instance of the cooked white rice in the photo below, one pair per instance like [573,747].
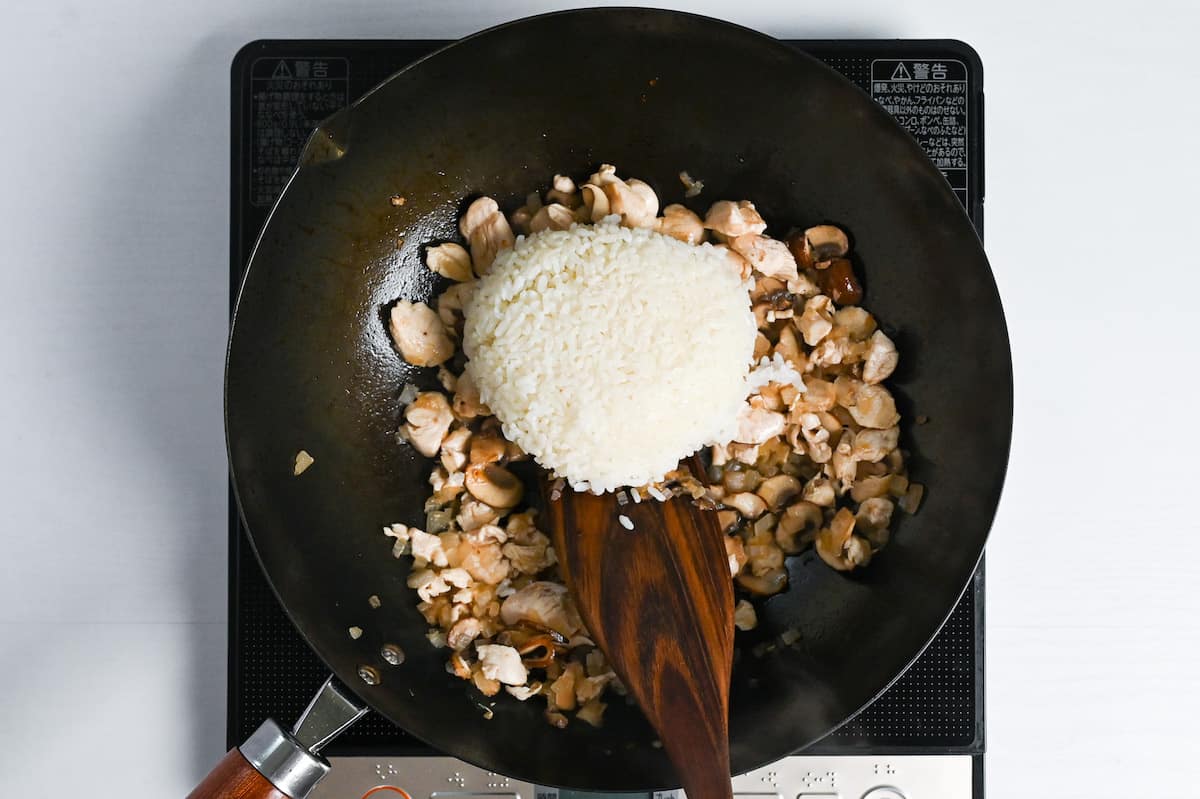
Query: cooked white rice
[610,353]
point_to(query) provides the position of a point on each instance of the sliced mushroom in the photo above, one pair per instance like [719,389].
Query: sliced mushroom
[427,420]
[634,202]
[857,323]
[872,520]
[552,217]
[732,219]
[595,204]
[767,256]
[763,555]
[840,282]
[494,485]
[823,243]
[744,616]
[726,519]
[751,506]
[871,486]
[450,260]
[767,584]
[544,604]
[777,491]
[680,222]
[881,358]
[474,513]
[874,407]
[563,193]
[873,445]
[450,305]
[797,525]
[488,447]
[819,491]
[607,173]
[419,334]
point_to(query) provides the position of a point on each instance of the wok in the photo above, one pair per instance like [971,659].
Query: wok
[311,367]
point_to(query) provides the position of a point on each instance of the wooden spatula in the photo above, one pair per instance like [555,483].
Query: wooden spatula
[658,600]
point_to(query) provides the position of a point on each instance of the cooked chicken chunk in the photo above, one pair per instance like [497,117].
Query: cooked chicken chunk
[502,663]
[419,334]
[732,219]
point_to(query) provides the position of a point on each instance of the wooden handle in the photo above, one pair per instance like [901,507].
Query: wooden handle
[235,778]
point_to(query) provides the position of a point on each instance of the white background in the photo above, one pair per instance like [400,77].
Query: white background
[114,231]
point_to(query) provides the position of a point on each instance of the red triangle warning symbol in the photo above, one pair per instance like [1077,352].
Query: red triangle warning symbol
[901,72]
[281,70]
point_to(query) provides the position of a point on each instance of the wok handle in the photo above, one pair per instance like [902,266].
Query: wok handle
[235,778]
[271,764]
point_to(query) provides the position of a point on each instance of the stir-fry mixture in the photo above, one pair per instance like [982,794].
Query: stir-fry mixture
[814,460]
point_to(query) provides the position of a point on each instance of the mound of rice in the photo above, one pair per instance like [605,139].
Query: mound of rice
[610,353]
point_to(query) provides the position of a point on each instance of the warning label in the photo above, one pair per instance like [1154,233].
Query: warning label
[289,98]
[929,98]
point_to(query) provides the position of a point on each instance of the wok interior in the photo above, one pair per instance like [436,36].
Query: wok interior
[311,366]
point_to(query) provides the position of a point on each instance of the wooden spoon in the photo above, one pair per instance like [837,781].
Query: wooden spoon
[658,600]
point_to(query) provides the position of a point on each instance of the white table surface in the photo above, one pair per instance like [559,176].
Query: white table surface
[114,231]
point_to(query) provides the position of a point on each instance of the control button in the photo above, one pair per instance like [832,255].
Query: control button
[386,792]
[883,792]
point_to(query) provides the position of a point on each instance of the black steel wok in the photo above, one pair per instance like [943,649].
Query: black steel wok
[311,366]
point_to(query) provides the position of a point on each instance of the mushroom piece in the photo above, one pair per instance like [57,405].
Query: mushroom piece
[751,506]
[817,319]
[823,243]
[838,547]
[744,616]
[797,525]
[488,446]
[732,219]
[871,486]
[607,173]
[419,334]
[543,604]
[552,217]
[487,231]
[454,449]
[873,445]
[872,520]
[563,193]
[502,663]
[881,358]
[427,420]
[874,407]
[494,485]
[595,204]
[766,255]
[840,282]
[857,323]
[680,222]
[755,425]
[450,260]
[767,584]
[777,491]
[819,491]
[763,555]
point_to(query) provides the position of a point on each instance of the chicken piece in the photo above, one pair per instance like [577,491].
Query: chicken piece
[450,305]
[450,260]
[552,217]
[856,322]
[463,633]
[485,563]
[427,419]
[872,519]
[732,219]
[544,604]
[473,514]
[736,551]
[788,348]
[818,396]
[467,404]
[767,256]
[874,407]
[634,201]
[501,663]
[817,320]
[454,450]
[427,548]
[427,584]
[524,692]
[487,533]
[487,231]
[881,358]
[562,690]
[680,222]
[755,425]
[739,264]
[873,445]
[419,334]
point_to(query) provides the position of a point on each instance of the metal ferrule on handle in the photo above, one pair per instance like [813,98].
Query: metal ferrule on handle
[283,760]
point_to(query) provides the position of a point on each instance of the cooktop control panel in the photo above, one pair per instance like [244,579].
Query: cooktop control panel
[798,777]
